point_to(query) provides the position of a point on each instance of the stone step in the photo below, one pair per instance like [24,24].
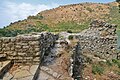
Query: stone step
[47,73]
[50,72]
[4,67]
[45,76]
[22,72]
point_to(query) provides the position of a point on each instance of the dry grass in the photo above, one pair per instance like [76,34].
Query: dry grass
[110,72]
[70,17]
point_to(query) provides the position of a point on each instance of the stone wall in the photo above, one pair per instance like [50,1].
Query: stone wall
[100,40]
[76,63]
[26,48]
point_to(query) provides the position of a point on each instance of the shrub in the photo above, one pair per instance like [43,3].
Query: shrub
[109,63]
[7,33]
[12,33]
[40,17]
[69,31]
[97,69]
[36,17]
[89,9]
[118,72]
[118,64]
[115,61]
[70,37]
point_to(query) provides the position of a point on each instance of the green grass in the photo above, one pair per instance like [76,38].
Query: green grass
[116,62]
[67,26]
[113,62]
[109,63]
[118,72]
[115,15]
[70,26]
[100,67]
[118,39]
[62,26]
[96,69]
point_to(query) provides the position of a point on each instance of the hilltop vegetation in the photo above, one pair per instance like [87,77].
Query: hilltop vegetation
[115,15]
[75,17]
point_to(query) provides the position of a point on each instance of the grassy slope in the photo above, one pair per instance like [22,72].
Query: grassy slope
[71,17]
[115,16]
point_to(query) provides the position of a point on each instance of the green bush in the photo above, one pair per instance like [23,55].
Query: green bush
[89,9]
[96,69]
[109,63]
[70,37]
[117,62]
[40,17]
[12,33]
[7,33]
[69,31]
[36,17]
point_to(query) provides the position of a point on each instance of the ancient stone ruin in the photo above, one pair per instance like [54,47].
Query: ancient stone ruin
[100,40]
[51,56]
[98,43]
[26,48]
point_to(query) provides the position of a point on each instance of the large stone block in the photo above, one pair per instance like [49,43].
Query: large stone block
[34,43]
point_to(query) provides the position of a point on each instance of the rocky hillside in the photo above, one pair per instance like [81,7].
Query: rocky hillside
[74,17]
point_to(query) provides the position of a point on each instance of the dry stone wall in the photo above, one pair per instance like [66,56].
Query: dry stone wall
[26,48]
[100,47]
[100,40]
[76,60]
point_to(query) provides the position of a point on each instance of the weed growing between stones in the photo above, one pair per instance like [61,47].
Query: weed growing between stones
[70,37]
[96,69]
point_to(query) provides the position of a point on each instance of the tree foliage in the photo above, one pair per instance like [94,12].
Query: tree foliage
[12,33]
